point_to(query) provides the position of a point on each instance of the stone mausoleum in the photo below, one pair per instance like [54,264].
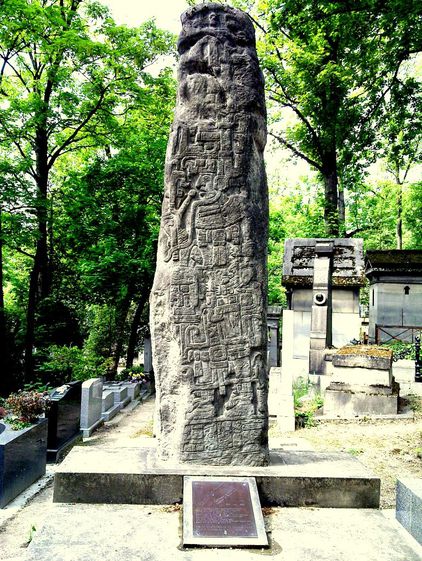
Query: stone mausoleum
[395,294]
[322,278]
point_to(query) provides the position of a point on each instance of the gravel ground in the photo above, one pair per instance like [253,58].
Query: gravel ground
[390,448]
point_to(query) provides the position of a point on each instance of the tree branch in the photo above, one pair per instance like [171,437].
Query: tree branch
[295,151]
[72,138]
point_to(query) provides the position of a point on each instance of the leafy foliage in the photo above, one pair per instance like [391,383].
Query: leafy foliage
[82,140]
[28,406]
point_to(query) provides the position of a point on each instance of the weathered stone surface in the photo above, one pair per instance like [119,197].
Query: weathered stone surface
[91,405]
[409,506]
[363,356]
[299,260]
[292,478]
[345,402]
[208,316]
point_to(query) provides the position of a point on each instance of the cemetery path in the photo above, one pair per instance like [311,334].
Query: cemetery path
[389,449]
[19,520]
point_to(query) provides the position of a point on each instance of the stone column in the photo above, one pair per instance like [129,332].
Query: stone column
[208,302]
[321,315]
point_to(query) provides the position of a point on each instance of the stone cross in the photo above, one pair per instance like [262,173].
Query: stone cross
[208,302]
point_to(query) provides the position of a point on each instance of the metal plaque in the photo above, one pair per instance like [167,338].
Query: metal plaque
[222,511]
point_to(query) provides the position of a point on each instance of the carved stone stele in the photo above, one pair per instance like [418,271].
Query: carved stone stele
[208,303]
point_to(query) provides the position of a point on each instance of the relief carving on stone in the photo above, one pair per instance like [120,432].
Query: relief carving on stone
[208,303]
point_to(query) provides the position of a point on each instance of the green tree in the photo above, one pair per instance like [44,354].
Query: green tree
[70,75]
[331,65]
[107,219]
[401,138]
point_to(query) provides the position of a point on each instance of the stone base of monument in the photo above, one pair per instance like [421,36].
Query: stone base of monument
[293,479]
[54,455]
[351,401]
[361,383]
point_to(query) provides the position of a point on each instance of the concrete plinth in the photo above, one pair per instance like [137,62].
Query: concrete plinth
[151,533]
[132,476]
[346,402]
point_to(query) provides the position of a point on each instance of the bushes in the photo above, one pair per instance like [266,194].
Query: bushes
[134,374]
[306,403]
[26,407]
[63,364]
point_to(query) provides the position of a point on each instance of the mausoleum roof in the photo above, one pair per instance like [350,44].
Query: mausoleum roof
[300,253]
[393,262]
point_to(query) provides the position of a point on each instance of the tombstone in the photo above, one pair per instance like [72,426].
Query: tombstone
[322,278]
[280,399]
[120,393]
[64,419]
[133,389]
[273,319]
[395,294]
[361,383]
[22,458]
[109,407]
[208,302]
[91,406]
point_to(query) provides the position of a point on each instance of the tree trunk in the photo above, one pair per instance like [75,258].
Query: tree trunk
[399,225]
[133,337]
[40,278]
[341,210]
[121,316]
[4,383]
[331,214]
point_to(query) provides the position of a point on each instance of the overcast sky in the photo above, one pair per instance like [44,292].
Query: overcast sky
[134,12]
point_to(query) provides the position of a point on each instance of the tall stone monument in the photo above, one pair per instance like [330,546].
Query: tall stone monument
[208,302]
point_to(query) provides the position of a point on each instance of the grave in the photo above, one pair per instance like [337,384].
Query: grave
[273,321]
[91,406]
[395,294]
[147,354]
[64,419]
[280,399]
[22,458]
[292,478]
[361,383]
[120,393]
[133,389]
[208,302]
[322,278]
[109,407]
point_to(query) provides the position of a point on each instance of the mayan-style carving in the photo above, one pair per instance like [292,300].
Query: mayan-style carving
[209,296]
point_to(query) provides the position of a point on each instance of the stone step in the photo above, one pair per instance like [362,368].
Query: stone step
[293,478]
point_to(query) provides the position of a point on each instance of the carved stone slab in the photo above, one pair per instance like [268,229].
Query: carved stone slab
[208,302]
[222,512]
[299,259]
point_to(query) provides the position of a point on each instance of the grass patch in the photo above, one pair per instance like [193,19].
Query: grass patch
[146,430]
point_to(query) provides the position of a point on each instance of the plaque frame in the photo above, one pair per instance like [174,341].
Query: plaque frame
[189,537]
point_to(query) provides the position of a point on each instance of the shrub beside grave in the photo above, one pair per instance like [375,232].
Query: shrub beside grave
[23,443]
